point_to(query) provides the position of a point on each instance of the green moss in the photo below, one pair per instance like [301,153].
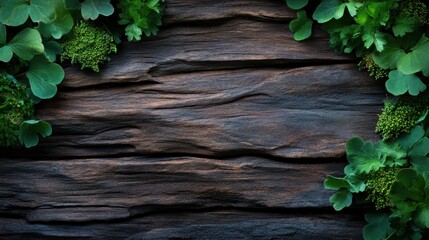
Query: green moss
[88,45]
[16,106]
[378,186]
[413,9]
[399,115]
[368,64]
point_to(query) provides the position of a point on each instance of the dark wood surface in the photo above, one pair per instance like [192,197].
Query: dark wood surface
[221,127]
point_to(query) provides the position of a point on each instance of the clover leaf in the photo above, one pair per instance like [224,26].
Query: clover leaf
[341,199]
[44,77]
[296,4]
[416,60]
[30,131]
[91,9]
[329,9]
[378,226]
[334,183]
[16,12]
[61,24]
[301,26]
[52,49]
[400,83]
[25,45]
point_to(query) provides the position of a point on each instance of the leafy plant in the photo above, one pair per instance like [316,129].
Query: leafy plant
[34,32]
[391,39]
[16,106]
[140,16]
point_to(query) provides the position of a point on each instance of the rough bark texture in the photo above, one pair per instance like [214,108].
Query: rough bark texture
[221,127]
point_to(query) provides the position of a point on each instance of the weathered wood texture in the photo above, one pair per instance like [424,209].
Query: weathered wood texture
[221,127]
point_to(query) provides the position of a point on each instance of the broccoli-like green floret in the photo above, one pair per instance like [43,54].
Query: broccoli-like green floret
[368,64]
[16,106]
[399,115]
[413,9]
[88,45]
[378,186]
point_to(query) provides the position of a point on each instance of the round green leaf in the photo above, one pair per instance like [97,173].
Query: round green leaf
[16,12]
[27,43]
[6,54]
[296,4]
[31,129]
[52,49]
[334,183]
[44,76]
[400,83]
[341,199]
[329,9]
[92,8]
[62,25]
[301,26]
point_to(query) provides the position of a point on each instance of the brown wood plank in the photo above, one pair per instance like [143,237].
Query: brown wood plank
[220,224]
[239,43]
[118,188]
[216,11]
[306,112]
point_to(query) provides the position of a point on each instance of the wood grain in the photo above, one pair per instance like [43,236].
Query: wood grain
[221,127]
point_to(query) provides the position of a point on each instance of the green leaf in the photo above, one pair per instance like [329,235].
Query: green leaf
[353,7]
[362,156]
[420,148]
[44,76]
[6,54]
[409,186]
[133,32]
[52,49]
[378,227]
[61,25]
[420,163]
[416,60]
[91,9]
[391,54]
[400,83]
[407,141]
[334,183]
[31,129]
[3,34]
[341,199]
[392,155]
[301,27]
[404,25]
[329,9]
[16,12]
[26,44]
[374,38]
[296,4]
[422,217]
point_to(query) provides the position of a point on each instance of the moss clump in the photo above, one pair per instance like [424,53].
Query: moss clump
[368,64]
[88,45]
[400,115]
[413,9]
[16,106]
[378,186]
